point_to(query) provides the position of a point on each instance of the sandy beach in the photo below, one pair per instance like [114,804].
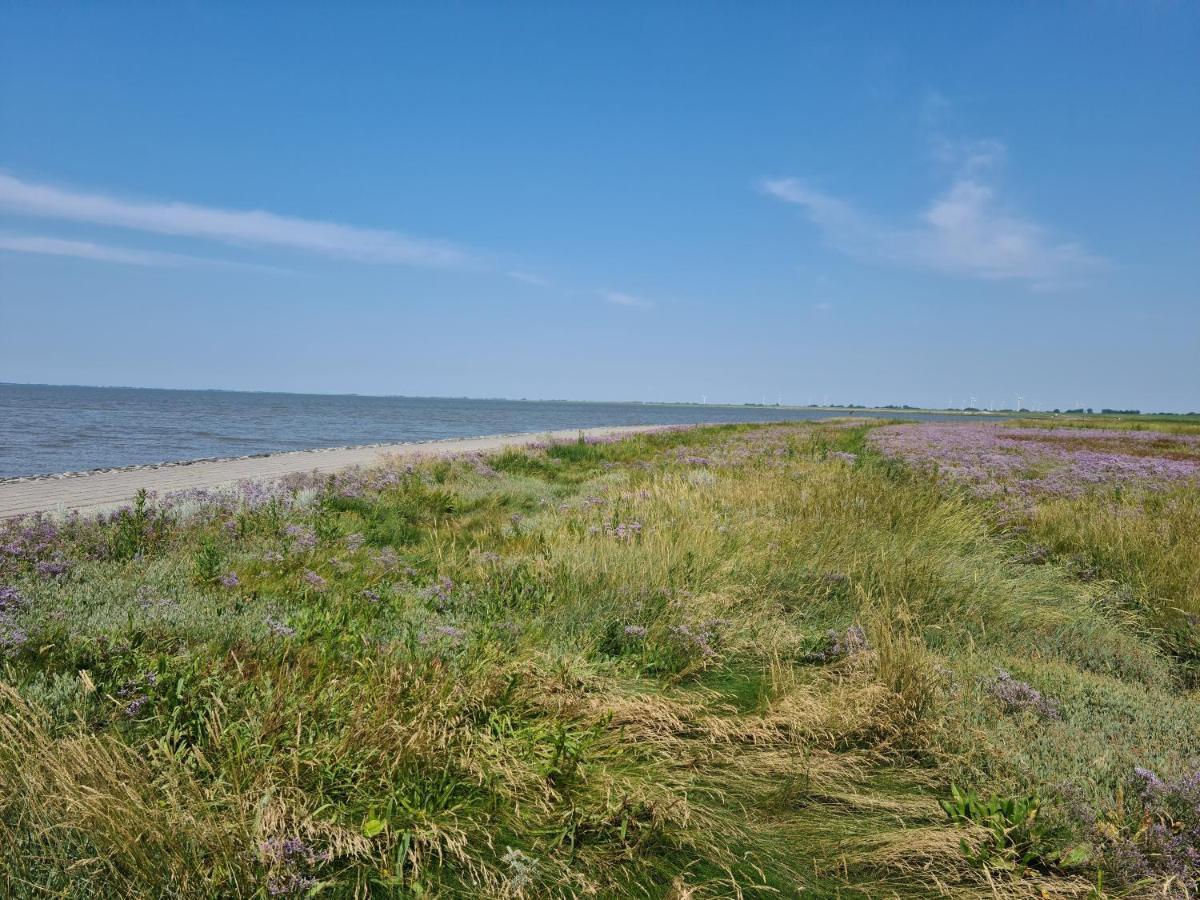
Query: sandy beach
[89,492]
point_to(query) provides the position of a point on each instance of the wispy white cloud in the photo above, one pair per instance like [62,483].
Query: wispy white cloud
[256,227]
[529,278]
[965,231]
[52,246]
[620,298]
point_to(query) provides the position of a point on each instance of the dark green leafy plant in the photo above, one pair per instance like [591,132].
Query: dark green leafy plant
[1018,838]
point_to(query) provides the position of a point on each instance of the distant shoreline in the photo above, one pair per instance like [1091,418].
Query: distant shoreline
[925,410]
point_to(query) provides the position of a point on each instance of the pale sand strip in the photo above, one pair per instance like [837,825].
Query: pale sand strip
[90,492]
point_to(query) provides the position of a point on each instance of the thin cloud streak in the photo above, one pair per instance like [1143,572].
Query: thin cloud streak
[51,246]
[966,231]
[229,226]
[529,278]
[620,298]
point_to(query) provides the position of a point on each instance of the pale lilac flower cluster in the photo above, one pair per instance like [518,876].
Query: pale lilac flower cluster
[387,558]
[32,543]
[841,644]
[12,636]
[1017,695]
[291,861]
[622,531]
[994,459]
[317,582]
[300,538]
[11,600]
[1155,839]
[440,592]
[698,638]
[278,627]
[230,580]
[451,632]
[132,692]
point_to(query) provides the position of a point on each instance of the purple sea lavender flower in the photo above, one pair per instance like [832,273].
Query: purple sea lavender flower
[1148,782]
[840,645]
[636,631]
[53,568]
[290,884]
[354,542]
[387,558]
[10,599]
[698,639]
[301,538]
[278,628]
[12,638]
[625,531]
[134,706]
[456,635]
[440,592]
[1017,695]
[315,580]
[230,580]
[372,596]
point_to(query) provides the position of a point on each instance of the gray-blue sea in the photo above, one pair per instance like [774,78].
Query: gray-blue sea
[48,429]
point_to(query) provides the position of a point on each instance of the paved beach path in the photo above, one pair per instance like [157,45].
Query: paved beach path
[94,491]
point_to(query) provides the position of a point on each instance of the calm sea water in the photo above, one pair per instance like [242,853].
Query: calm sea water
[63,429]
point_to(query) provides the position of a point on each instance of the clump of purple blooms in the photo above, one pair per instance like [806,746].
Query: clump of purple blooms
[621,531]
[841,644]
[12,636]
[1016,696]
[387,558]
[279,628]
[230,580]
[1168,841]
[11,600]
[452,633]
[300,538]
[1152,837]
[291,862]
[132,691]
[440,593]
[53,568]
[698,639]
[993,460]
[32,544]
[317,582]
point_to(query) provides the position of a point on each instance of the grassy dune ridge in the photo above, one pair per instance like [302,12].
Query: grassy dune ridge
[728,661]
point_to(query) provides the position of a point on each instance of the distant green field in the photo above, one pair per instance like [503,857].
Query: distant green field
[744,661]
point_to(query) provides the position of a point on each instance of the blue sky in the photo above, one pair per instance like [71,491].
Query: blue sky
[868,203]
